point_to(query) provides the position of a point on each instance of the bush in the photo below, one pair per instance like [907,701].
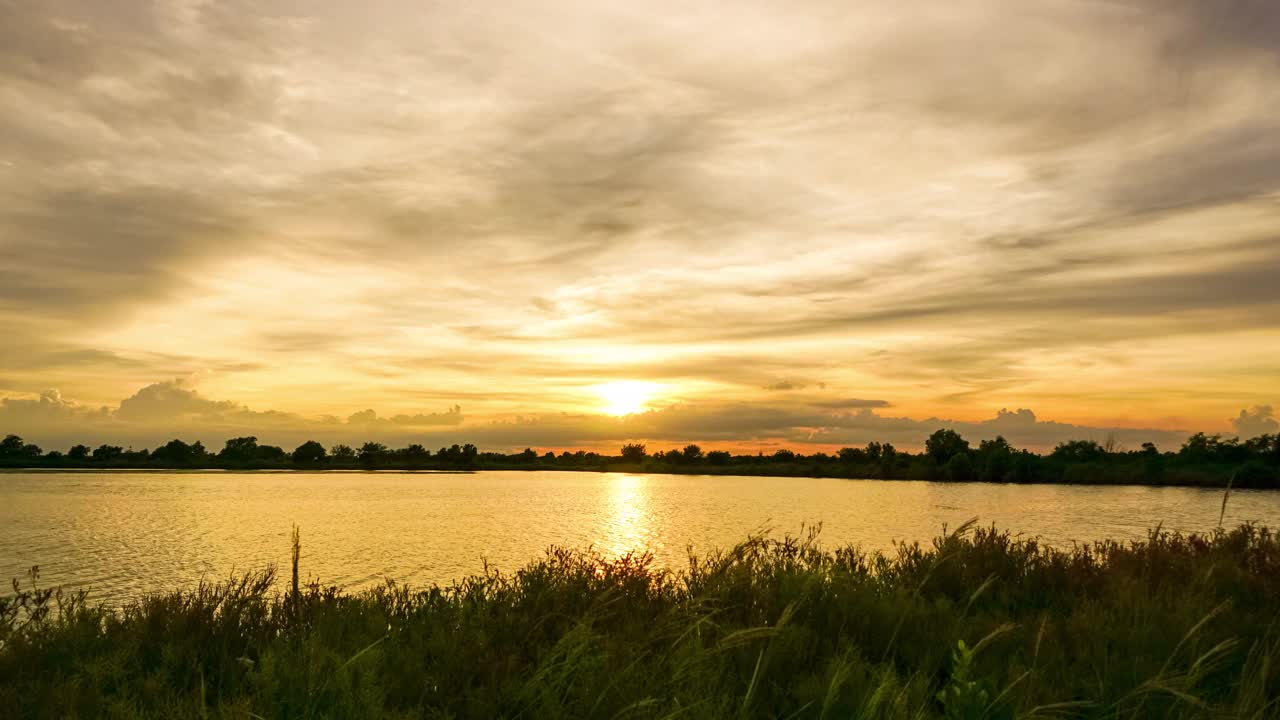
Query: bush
[979,624]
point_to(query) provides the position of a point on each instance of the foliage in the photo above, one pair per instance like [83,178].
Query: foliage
[1204,460]
[945,444]
[977,625]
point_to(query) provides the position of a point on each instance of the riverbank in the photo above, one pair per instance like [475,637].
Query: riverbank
[978,624]
[1210,477]
[1202,461]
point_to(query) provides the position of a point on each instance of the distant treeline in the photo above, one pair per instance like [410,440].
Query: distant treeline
[1203,460]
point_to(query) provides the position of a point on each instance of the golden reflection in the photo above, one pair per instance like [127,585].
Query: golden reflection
[628,526]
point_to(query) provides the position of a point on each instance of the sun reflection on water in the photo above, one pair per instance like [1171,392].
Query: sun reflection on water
[629,522]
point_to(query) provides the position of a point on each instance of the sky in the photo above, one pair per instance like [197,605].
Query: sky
[568,224]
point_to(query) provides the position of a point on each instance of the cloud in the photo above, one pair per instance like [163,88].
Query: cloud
[414,204]
[369,419]
[1255,421]
[851,404]
[160,411]
[163,410]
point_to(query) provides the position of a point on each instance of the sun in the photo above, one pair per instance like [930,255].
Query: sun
[625,397]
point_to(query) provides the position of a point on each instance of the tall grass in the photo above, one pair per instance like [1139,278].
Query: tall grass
[978,624]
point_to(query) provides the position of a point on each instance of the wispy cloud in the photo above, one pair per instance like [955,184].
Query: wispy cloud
[410,205]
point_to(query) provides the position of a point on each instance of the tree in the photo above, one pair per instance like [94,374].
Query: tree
[634,452]
[960,468]
[852,455]
[888,458]
[691,453]
[1025,469]
[13,449]
[239,451]
[342,453]
[529,456]
[11,446]
[309,453]
[107,453]
[79,453]
[945,444]
[470,453]
[718,457]
[415,454]
[271,455]
[177,453]
[1079,451]
[372,454]
[995,458]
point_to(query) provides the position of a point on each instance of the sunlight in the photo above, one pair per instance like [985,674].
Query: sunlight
[630,522]
[625,397]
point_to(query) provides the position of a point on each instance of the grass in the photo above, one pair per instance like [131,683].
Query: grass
[976,625]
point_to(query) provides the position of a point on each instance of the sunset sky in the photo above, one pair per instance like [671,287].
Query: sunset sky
[564,223]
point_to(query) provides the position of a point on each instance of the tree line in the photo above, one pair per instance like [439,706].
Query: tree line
[1203,460]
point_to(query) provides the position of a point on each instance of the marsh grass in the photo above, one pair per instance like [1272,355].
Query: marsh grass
[977,624]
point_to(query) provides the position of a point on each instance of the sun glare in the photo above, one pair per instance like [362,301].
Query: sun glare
[624,397]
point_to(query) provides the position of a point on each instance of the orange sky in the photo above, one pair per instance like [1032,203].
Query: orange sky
[810,223]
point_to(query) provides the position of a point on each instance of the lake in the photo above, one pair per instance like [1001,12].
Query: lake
[124,534]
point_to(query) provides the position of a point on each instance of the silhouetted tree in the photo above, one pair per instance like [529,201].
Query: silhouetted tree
[945,444]
[851,456]
[342,453]
[415,454]
[691,453]
[719,457]
[239,451]
[14,450]
[309,453]
[372,454]
[960,468]
[996,459]
[79,453]
[1024,467]
[107,453]
[634,452]
[11,446]
[177,453]
[1078,451]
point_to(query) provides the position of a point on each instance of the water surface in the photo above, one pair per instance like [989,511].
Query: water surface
[122,534]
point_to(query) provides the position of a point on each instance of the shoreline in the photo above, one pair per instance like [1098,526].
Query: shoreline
[623,470]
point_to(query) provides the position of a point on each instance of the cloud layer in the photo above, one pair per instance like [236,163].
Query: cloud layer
[953,207]
[161,411]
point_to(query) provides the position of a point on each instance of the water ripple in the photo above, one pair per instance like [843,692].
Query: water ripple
[125,534]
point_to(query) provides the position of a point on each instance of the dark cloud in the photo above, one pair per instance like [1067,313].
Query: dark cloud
[851,404]
[80,253]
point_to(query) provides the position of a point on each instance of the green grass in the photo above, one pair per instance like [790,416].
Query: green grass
[976,625]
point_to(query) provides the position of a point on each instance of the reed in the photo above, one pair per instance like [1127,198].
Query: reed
[977,624]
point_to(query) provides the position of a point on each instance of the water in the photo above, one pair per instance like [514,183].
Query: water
[123,534]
